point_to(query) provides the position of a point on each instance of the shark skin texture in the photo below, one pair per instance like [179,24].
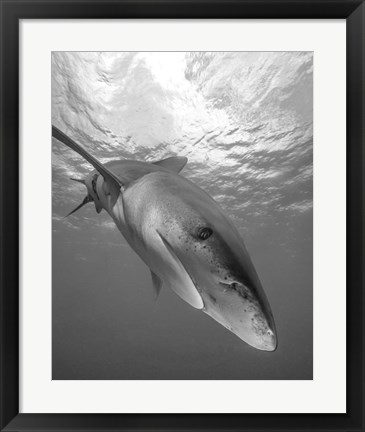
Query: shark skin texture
[184,237]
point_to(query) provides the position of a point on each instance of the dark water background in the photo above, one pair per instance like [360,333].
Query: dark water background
[245,122]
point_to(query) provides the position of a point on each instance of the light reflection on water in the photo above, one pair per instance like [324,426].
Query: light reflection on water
[244,120]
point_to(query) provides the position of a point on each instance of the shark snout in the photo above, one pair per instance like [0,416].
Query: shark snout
[266,339]
[244,310]
[262,330]
[270,341]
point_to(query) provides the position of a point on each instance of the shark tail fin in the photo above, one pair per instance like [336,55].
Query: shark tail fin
[86,200]
[113,180]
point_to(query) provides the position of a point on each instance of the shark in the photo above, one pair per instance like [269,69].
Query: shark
[185,238]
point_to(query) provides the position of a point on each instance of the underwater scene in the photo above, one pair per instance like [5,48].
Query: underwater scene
[237,125]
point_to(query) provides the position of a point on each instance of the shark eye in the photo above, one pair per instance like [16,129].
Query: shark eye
[204,233]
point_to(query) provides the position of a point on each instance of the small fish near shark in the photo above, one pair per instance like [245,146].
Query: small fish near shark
[184,237]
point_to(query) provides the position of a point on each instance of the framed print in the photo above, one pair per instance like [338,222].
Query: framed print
[181,215]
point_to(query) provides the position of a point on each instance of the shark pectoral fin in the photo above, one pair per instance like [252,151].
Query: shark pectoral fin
[157,285]
[174,164]
[185,289]
[180,280]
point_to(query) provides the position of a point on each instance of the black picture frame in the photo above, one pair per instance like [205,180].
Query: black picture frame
[11,12]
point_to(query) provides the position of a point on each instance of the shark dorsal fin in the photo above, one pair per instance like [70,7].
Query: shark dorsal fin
[114,181]
[174,164]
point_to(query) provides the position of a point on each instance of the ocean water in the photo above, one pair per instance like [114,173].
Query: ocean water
[245,123]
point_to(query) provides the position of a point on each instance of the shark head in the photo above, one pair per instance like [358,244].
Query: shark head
[197,233]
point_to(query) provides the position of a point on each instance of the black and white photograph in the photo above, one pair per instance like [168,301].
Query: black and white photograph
[182,215]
